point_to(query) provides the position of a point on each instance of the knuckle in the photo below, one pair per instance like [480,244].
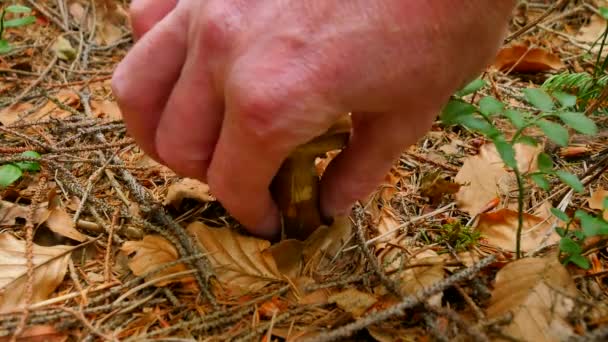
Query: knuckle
[259,114]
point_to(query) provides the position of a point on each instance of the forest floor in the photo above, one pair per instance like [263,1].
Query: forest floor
[99,242]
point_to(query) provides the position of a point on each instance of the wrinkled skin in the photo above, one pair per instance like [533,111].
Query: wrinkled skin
[224,90]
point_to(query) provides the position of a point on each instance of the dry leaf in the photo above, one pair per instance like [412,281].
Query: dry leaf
[499,229]
[60,222]
[484,177]
[353,301]
[150,253]
[326,241]
[521,58]
[288,256]
[241,263]
[38,333]
[63,49]
[596,201]
[435,186]
[533,289]
[10,212]
[50,267]
[106,110]
[10,114]
[411,280]
[187,188]
[591,32]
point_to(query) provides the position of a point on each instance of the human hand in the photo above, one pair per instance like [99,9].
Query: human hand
[224,90]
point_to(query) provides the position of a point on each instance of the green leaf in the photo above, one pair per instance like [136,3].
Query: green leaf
[18,22]
[506,151]
[579,261]
[5,47]
[490,105]
[530,141]
[567,245]
[456,109]
[605,203]
[579,122]
[29,166]
[553,131]
[570,180]
[560,214]
[592,226]
[539,99]
[604,12]
[565,99]
[17,9]
[545,163]
[478,125]
[541,181]
[471,87]
[9,173]
[579,235]
[516,117]
[560,231]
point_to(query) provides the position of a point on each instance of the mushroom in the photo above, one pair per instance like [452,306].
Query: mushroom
[296,185]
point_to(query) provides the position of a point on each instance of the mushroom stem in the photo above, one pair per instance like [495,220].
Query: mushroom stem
[296,186]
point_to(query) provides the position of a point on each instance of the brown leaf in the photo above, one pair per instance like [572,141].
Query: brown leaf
[50,267]
[187,188]
[10,114]
[596,201]
[521,58]
[484,177]
[60,222]
[591,32]
[538,292]
[288,255]
[38,333]
[326,241]
[106,110]
[150,253]
[241,263]
[9,212]
[353,301]
[499,229]
[435,186]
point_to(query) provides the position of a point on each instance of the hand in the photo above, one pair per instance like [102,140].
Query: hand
[224,90]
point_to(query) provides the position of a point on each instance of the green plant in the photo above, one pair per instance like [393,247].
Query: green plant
[458,235]
[22,18]
[550,109]
[572,242]
[10,173]
[587,86]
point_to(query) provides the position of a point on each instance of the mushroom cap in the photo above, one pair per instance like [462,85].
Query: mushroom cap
[335,138]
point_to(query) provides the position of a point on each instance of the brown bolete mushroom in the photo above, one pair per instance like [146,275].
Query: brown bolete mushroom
[296,185]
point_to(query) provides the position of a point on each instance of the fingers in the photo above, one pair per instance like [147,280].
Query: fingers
[262,126]
[142,82]
[147,13]
[376,143]
[190,124]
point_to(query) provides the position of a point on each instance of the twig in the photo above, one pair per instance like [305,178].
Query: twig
[29,256]
[108,257]
[534,22]
[29,88]
[407,303]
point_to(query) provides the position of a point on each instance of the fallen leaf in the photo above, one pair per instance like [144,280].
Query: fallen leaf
[325,242]
[241,263]
[592,31]
[50,110]
[485,177]
[11,114]
[60,222]
[187,188]
[435,186]
[50,267]
[596,201]
[353,301]
[272,307]
[38,333]
[288,255]
[106,110]
[413,279]
[499,229]
[521,58]
[150,253]
[538,292]
[10,212]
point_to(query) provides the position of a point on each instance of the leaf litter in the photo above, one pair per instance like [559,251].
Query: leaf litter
[450,190]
